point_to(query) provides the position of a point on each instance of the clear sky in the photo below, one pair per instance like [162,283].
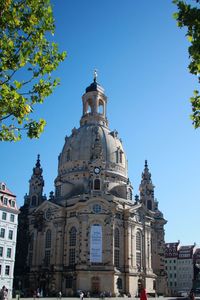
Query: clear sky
[141,57]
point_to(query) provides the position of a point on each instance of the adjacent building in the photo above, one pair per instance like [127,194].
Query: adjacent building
[185,268]
[196,262]
[171,258]
[8,233]
[182,264]
[91,234]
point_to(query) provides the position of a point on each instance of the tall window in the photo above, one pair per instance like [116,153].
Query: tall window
[7,270]
[2,233]
[72,237]
[72,258]
[12,218]
[72,244]
[47,253]
[1,251]
[4,215]
[47,258]
[9,252]
[117,245]
[116,237]
[139,250]
[10,234]
[48,239]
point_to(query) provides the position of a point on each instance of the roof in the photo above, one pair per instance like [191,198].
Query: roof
[94,86]
[6,190]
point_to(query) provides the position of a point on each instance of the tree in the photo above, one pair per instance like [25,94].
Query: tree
[189,16]
[27,59]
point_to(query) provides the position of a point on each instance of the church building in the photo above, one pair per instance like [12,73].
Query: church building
[91,235]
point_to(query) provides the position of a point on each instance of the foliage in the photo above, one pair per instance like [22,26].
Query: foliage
[189,16]
[27,58]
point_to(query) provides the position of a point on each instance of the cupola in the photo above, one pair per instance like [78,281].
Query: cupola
[94,104]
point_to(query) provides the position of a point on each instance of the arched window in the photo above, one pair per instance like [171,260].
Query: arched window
[31,241]
[72,244]
[97,184]
[149,204]
[117,242]
[48,239]
[117,249]
[101,107]
[34,201]
[88,106]
[139,250]
[72,237]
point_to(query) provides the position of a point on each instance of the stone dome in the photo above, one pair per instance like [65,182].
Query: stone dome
[92,152]
[92,142]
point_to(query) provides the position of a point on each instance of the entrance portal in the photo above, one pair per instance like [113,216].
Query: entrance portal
[95,285]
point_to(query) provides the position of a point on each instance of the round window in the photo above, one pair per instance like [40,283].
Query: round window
[96,208]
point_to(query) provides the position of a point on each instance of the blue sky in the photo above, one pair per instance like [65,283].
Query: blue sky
[142,59]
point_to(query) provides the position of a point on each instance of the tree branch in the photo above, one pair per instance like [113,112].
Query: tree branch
[6,117]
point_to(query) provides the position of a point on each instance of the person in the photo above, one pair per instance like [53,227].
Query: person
[4,293]
[38,293]
[60,295]
[81,295]
[191,295]
[143,294]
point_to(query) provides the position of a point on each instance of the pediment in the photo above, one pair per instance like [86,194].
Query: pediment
[47,204]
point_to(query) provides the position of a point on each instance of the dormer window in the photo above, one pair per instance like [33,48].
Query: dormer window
[3,187]
[5,201]
[119,155]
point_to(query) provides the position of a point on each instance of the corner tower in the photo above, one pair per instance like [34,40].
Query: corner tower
[36,183]
[147,189]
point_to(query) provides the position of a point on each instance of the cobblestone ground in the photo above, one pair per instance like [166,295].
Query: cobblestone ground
[110,298]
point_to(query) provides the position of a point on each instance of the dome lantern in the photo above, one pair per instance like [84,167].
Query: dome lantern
[94,104]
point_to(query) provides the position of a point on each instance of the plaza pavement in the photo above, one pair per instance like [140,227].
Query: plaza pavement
[109,298]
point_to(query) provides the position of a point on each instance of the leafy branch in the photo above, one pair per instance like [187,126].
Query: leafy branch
[189,16]
[25,52]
